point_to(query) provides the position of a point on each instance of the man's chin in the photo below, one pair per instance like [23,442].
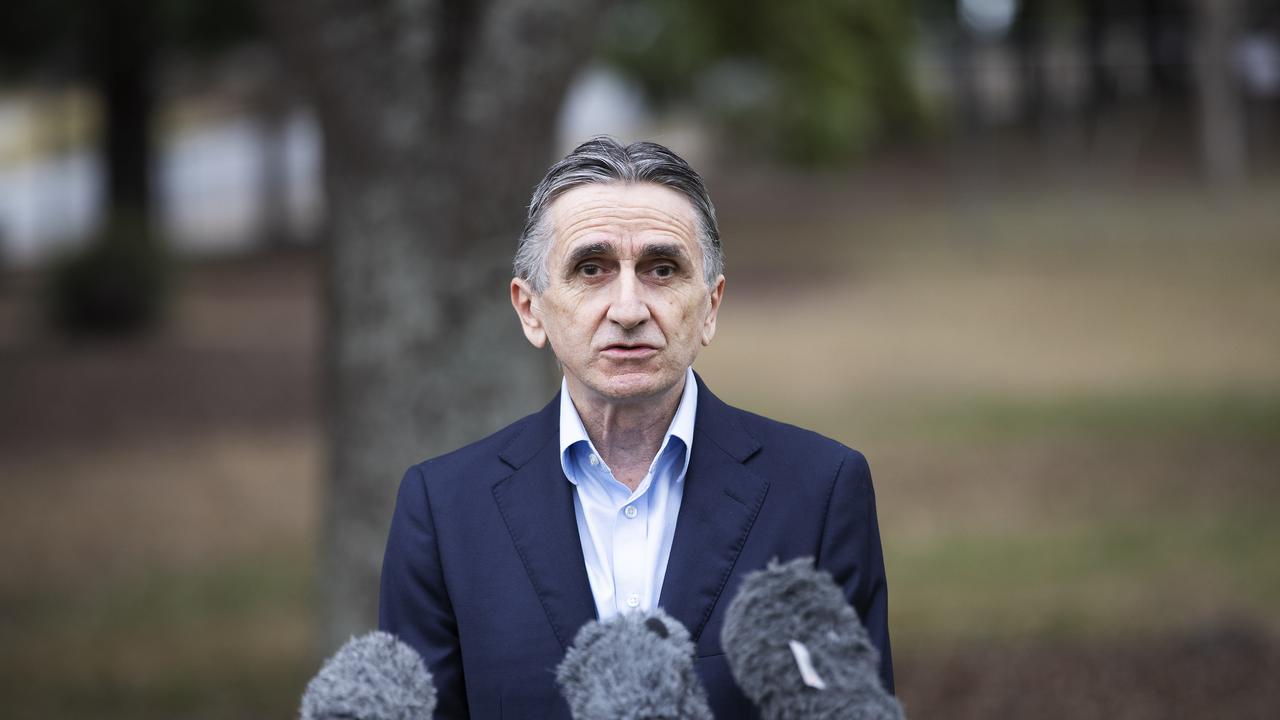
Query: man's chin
[635,387]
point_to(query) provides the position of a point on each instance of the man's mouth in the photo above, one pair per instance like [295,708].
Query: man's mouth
[628,351]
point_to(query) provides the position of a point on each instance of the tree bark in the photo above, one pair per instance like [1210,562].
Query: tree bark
[1164,29]
[438,118]
[1102,89]
[123,53]
[1028,39]
[1222,124]
[271,115]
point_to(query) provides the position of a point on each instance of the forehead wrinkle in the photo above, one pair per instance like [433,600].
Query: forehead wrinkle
[649,219]
[603,205]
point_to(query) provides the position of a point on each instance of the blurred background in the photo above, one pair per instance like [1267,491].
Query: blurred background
[1024,254]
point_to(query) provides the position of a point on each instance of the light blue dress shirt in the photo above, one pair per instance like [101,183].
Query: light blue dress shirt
[626,536]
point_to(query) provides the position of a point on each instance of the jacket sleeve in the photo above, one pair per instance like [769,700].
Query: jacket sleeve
[851,552]
[413,603]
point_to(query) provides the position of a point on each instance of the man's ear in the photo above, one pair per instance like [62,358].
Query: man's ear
[525,302]
[709,325]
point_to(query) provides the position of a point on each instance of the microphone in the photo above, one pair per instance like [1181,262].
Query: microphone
[798,650]
[372,677]
[637,666]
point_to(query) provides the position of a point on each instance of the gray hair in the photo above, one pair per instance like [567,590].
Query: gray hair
[604,160]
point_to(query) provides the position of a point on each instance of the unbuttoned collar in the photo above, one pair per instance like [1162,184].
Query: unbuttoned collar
[572,431]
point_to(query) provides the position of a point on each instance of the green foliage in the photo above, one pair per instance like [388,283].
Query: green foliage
[116,285]
[814,81]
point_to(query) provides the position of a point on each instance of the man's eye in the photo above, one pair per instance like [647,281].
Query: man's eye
[664,271]
[590,270]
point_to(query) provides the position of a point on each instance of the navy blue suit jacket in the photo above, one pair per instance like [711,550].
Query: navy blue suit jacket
[484,576]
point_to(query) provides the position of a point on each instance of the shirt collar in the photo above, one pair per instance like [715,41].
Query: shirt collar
[572,431]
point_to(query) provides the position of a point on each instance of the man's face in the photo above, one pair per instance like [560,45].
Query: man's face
[627,306]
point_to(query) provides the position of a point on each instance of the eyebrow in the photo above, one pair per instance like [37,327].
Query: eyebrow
[597,249]
[589,250]
[663,250]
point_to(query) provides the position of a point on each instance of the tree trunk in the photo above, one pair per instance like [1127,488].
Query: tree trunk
[1164,29]
[1101,86]
[1222,125]
[1028,39]
[123,52]
[438,119]
[271,116]
[964,68]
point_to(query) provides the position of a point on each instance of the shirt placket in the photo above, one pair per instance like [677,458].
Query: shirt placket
[630,531]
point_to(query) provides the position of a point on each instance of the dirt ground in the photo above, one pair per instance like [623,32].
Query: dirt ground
[187,447]
[1070,405]
[1217,673]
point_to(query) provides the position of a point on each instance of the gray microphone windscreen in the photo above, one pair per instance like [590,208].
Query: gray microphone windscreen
[637,666]
[372,677]
[798,650]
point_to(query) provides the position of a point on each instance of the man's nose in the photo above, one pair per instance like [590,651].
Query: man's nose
[628,307]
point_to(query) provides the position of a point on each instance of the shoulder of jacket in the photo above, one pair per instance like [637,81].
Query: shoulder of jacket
[775,433]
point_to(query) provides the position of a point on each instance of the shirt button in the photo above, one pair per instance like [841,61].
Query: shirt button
[633,600]
[594,459]
[631,511]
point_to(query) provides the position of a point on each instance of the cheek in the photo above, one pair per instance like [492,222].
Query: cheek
[693,311]
[569,320]
[684,317]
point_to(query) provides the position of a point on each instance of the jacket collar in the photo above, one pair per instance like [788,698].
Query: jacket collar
[721,500]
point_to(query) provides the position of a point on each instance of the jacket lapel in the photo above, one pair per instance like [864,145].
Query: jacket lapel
[536,502]
[720,503]
[721,500]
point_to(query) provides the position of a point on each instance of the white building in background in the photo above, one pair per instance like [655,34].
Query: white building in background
[209,186]
[600,101]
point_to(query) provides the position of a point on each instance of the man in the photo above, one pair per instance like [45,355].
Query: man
[635,487]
